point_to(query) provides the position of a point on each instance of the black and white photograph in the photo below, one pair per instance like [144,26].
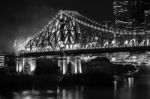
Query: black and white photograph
[74,49]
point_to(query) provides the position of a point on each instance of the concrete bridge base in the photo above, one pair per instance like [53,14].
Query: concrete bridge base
[26,65]
[70,65]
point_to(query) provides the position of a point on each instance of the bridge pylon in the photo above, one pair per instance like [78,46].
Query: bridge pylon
[70,64]
[26,65]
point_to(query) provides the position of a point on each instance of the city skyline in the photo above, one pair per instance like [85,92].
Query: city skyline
[132,14]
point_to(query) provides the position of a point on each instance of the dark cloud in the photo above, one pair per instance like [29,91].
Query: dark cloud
[26,17]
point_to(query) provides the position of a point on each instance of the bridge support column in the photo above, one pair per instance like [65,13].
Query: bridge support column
[19,64]
[75,64]
[70,65]
[62,63]
[147,42]
[78,65]
[26,65]
[30,65]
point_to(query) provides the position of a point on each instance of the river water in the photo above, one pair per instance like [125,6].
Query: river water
[137,87]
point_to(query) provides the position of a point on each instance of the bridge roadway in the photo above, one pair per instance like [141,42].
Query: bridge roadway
[86,51]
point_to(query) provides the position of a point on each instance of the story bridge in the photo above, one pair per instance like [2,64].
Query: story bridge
[69,34]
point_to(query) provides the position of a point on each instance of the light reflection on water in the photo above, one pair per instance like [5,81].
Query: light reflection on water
[69,93]
[130,88]
[125,92]
[34,94]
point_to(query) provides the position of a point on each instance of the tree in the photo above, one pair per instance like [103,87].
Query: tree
[46,66]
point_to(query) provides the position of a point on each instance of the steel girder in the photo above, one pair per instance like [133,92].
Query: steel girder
[69,30]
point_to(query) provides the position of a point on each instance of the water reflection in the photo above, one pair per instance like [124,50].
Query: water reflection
[71,93]
[130,82]
[125,91]
[60,93]
[35,94]
[79,92]
[130,88]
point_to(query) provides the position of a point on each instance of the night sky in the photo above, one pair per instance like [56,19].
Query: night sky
[23,18]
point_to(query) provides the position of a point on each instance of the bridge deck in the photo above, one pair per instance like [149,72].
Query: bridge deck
[86,51]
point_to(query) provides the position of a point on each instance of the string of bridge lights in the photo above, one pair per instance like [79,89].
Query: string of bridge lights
[86,18]
[83,23]
[76,13]
[107,29]
[122,31]
[86,24]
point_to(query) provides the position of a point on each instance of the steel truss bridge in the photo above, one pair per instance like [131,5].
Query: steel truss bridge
[71,33]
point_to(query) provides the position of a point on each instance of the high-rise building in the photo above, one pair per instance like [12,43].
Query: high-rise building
[2,61]
[121,12]
[130,14]
[147,19]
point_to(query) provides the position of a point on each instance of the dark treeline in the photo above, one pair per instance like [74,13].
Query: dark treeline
[46,66]
[103,65]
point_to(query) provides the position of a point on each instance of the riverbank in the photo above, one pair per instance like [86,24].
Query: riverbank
[99,71]
[136,87]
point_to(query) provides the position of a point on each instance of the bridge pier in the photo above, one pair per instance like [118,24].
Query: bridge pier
[26,65]
[62,63]
[70,64]
[19,64]
[76,63]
